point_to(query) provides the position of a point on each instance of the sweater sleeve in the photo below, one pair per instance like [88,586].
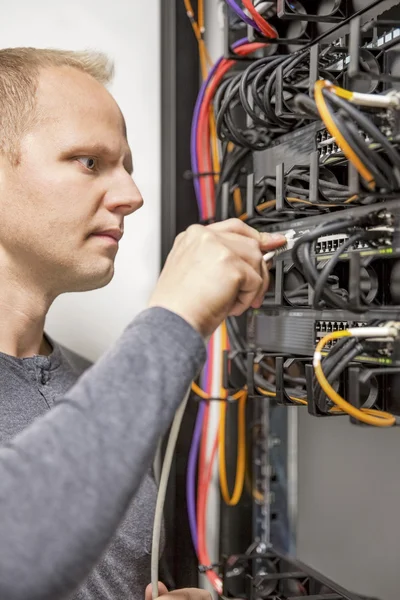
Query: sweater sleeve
[67,480]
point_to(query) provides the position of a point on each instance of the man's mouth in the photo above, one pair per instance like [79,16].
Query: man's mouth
[109,235]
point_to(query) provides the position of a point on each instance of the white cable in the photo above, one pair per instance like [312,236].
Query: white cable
[385,331]
[289,235]
[390,100]
[162,492]
[157,462]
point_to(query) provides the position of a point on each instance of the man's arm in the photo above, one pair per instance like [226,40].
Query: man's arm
[67,480]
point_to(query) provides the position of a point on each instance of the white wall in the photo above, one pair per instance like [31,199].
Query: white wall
[128,31]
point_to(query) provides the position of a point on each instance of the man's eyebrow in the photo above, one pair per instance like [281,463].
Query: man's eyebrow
[98,148]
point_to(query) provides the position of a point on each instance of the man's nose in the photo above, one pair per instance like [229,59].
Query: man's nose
[124,197]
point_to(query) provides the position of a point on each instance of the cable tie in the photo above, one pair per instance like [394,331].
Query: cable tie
[188,175]
[317,359]
[198,398]
[206,568]
[209,221]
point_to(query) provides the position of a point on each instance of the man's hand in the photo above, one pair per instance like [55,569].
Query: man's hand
[215,271]
[184,594]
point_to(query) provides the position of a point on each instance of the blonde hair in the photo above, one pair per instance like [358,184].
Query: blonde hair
[19,74]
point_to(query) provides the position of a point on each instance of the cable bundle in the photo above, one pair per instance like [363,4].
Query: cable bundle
[254,91]
[201,157]
[339,358]
[321,281]
[363,144]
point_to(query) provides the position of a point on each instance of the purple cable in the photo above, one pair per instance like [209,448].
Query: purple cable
[191,475]
[192,464]
[195,122]
[240,13]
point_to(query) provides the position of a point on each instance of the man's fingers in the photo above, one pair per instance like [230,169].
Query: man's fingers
[246,248]
[270,241]
[248,251]
[234,226]
[249,289]
[263,287]
[267,241]
[162,589]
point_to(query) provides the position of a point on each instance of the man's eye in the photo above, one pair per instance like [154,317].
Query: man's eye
[89,162]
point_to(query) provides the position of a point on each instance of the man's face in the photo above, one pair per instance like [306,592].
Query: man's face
[64,203]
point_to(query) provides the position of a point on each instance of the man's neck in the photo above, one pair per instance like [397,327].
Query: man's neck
[22,317]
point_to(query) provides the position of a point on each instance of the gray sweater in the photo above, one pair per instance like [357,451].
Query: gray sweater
[67,480]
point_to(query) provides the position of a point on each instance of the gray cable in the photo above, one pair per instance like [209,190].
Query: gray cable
[157,462]
[162,492]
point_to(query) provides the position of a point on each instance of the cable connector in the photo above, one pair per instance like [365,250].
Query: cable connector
[290,239]
[386,332]
[389,100]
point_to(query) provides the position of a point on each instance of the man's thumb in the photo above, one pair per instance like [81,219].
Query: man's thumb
[149,591]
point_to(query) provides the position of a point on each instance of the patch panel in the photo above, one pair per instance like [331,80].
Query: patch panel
[295,332]
[330,243]
[384,217]
[322,328]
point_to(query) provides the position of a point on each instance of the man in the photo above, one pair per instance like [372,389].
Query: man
[67,477]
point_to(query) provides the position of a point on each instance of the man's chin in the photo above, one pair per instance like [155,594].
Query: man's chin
[94,281]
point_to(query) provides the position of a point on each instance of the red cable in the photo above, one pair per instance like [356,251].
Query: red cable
[204,485]
[203,133]
[265,27]
[204,479]
[203,444]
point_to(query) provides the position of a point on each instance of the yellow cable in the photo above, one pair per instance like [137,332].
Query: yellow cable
[342,93]
[352,199]
[271,203]
[200,10]
[214,145]
[256,494]
[195,27]
[335,133]
[241,453]
[204,396]
[241,449]
[190,14]
[273,395]
[369,416]
[237,200]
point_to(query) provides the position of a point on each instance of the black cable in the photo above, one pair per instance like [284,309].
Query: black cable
[331,297]
[248,76]
[226,99]
[370,158]
[239,344]
[321,182]
[269,90]
[366,158]
[258,84]
[367,125]
[306,265]
[234,161]
[349,352]
[307,105]
[344,361]
[331,264]
[335,355]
